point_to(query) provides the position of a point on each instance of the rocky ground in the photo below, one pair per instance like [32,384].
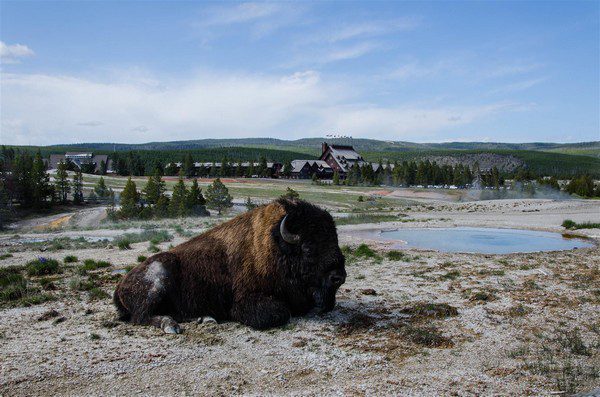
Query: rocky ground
[408,322]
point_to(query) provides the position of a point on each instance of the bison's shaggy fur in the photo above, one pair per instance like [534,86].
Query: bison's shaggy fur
[243,270]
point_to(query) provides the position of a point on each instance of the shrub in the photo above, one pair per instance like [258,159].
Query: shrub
[141,258]
[569,224]
[14,289]
[124,244]
[42,267]
[80,284]
[451,275]
[13,285]
[97,294]
[70,259]
[153,248]
[364,251]
[5,256]
[90,264]
[395,255]
[47,284]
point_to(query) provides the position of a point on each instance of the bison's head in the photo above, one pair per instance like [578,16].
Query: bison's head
[307,238]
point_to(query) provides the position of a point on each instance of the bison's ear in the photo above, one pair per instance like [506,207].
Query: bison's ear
[286,235]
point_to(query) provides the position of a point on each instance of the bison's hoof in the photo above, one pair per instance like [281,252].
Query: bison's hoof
[206,320]
[170,327]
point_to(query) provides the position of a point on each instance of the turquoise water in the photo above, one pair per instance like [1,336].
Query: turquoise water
[481,240]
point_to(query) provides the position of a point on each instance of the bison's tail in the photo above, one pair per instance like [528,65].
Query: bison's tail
[122,311]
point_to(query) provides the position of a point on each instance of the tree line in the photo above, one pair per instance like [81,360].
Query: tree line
[153,202]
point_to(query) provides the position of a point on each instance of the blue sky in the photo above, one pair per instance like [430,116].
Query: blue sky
[413,71]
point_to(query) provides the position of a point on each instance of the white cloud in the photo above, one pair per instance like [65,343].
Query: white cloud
[12,53]
[349,52]
[365,29]
[260,19]
[241,13]
[396,123]
[46,109]
[518,86]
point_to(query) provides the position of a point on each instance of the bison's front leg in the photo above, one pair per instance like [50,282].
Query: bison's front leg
[260,312]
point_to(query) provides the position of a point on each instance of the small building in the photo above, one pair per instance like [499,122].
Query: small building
[305,169]
[204,168]
[85,161]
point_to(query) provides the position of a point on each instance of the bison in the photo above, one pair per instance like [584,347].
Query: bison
[260,268]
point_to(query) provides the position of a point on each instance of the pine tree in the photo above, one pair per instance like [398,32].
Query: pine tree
[78,187]
[250,170]
[336,177]
[161,209]
[129,200]
[40,179]
[155,187]
[5,203]
[100,188]
[61,183]
[177,205]
[239,171]
[217,196]
[290,194]
[263,170]
[171,169]
[287,169]
[195,200]
[188,166]
[224,167]
[250,205]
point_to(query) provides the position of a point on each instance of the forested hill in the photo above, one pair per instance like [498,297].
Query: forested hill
[313,145]
[552,159]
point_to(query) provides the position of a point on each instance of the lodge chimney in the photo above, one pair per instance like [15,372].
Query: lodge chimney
[323,147]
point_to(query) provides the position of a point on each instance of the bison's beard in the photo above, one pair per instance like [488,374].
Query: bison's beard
[324,299]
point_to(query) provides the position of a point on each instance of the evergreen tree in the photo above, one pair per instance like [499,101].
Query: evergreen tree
[225,167]
[217,196]
[336,177]
[250,170]
[61,182]
[195,200]
[250,205]
[23,179]
[77,187]
[177,205]
[155,187]
[582,186]
[161,209]
[5,203]
[290,194]
[41,189]
[188,166]
[263,170]
[171,169]
[287,169]
[129,201]
[100,188]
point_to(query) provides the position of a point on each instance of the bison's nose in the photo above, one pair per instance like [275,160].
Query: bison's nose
[336,279]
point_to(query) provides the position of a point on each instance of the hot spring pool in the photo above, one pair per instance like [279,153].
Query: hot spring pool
[479,240]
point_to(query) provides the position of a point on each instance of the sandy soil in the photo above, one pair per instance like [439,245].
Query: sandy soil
[425,324]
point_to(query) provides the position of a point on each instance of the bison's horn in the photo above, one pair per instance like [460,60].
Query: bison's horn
[290,238]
